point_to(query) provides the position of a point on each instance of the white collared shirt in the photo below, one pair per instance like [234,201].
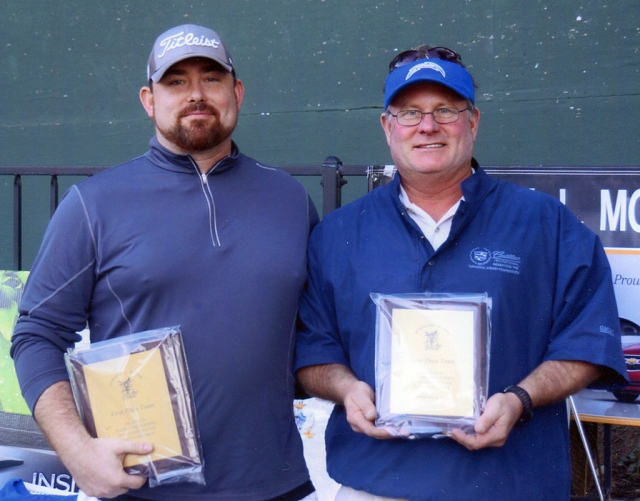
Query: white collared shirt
[435,232]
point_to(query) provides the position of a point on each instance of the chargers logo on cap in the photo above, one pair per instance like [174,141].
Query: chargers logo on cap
[422,66]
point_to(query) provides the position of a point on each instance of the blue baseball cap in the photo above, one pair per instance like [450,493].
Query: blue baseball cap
[446,73]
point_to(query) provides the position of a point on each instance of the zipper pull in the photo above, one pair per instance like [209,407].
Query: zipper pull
[204,178]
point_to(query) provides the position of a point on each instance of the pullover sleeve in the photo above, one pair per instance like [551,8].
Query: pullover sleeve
[55,303]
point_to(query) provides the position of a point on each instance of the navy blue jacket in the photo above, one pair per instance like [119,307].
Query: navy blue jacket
[552,295]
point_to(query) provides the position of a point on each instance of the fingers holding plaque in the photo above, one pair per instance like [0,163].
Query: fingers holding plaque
[432,360]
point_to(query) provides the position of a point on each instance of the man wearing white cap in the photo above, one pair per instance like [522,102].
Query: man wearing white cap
[444,226]
[192,233]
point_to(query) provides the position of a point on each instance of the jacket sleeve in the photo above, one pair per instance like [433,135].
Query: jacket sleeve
[586,325]
[55,303]
[318,340]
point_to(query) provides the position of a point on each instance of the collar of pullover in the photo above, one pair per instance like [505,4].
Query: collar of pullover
[165,159]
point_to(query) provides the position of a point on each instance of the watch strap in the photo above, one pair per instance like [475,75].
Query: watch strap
[525,400]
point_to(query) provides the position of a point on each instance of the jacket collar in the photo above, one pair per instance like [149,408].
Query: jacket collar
[166,159]
[476,188]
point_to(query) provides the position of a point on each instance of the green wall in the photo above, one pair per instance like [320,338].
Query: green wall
[558,80]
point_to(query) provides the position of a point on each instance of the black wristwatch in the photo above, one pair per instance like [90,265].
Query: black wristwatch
[525,399]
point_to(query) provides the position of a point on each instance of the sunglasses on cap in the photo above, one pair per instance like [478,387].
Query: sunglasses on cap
[425,52]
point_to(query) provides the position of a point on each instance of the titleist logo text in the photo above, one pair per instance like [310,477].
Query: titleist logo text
[178,40]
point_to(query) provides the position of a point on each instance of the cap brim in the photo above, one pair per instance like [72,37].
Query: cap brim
[159,73]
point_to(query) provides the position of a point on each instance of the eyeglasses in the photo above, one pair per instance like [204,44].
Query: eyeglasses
[425,52]
[409,118]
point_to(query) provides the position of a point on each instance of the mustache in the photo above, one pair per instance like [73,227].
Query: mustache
[199,107]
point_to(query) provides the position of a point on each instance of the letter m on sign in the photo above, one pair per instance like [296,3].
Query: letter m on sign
[613,214]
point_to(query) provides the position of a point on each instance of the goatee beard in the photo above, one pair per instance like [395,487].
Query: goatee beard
[201,134]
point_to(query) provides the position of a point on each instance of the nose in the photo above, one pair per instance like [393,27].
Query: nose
[196,92]
[428,124]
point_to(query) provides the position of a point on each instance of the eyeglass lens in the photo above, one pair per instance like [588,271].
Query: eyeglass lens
[441,116]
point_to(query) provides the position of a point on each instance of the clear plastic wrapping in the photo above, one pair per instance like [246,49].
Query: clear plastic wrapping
[138,388]
[432,362]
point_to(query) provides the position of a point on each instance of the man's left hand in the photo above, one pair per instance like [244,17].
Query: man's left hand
[492,428]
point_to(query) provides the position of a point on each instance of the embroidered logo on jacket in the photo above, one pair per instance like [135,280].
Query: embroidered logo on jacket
[610,331]
[482,258]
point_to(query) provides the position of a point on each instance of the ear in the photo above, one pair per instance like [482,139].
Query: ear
[385,121]
[475,123]
[239,92]
[146,98]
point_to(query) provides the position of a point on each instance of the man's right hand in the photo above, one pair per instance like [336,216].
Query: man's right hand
[96,464]
[361,410]
[336,382]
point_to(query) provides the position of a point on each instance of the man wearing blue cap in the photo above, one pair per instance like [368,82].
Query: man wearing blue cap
[444,226]
[192,233]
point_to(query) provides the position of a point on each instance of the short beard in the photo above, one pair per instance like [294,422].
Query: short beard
[200,135]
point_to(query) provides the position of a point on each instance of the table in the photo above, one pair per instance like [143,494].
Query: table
[600,406]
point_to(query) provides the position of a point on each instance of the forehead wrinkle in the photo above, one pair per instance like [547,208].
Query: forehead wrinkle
[427,92]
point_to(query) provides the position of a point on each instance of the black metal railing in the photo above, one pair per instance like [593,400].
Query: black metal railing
[332,177]
[331,174]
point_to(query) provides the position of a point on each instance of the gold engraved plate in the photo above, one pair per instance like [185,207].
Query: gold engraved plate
[130,400]
[432,362]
